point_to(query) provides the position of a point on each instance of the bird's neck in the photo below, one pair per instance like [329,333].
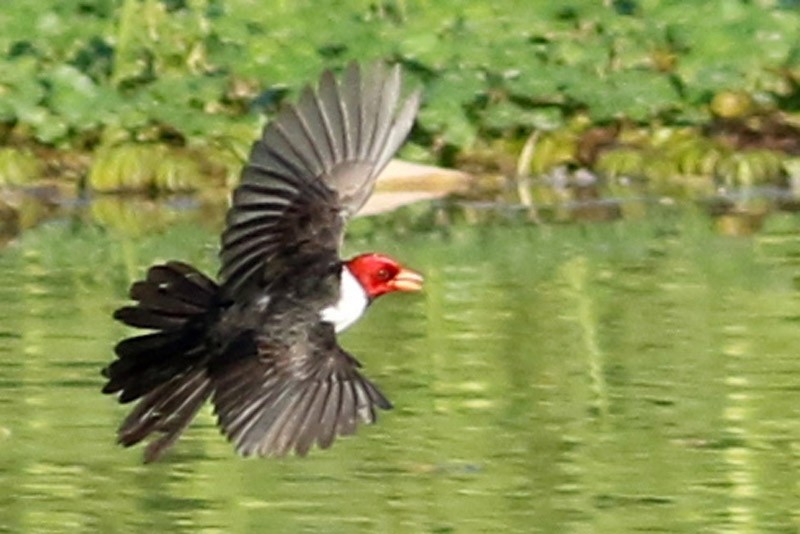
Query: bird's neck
[352,303]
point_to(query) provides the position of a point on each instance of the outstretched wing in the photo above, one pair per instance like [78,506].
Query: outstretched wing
[270,399]
[313,168]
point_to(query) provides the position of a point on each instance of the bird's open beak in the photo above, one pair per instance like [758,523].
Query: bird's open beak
[407,280]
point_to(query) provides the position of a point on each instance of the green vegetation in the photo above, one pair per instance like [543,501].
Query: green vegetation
[720,76]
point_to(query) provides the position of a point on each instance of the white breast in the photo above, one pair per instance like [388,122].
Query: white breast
[351,306]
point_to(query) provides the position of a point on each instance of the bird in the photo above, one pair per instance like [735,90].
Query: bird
[260,341]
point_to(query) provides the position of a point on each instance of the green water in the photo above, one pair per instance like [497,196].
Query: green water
[620,377]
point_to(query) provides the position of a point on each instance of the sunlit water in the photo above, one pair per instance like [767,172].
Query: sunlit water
[620,377]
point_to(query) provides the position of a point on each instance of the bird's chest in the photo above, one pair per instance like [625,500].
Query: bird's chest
[352,303]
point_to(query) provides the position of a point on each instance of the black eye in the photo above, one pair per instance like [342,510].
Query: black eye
[383,274]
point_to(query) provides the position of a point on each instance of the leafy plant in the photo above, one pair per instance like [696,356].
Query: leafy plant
[98,73]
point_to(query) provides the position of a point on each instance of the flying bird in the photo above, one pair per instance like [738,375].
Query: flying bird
[260,342]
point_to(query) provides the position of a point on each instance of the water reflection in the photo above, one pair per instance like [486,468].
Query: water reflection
[637,375]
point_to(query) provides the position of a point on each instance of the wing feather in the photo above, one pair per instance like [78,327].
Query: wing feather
[287,398]
[327,431]
[330,104]
[389,94]
[314,167]
[316,121]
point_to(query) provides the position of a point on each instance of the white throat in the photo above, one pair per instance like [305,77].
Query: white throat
[352,303]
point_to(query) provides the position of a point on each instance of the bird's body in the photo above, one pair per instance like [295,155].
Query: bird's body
[261,343]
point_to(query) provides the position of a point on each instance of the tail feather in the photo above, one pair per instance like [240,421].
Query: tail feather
[158,358]
[165,369]
[166,410]
[186,283]
[174,289]
[145,318]
[150,344]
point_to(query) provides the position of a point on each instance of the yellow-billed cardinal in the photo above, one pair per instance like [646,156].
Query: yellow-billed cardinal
[261,343]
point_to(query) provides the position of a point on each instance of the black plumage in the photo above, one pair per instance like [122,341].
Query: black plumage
[254,343]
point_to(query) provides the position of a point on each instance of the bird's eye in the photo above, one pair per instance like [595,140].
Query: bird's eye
[383,274]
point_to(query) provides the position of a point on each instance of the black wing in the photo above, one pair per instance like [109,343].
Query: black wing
[271,399]
[313,168]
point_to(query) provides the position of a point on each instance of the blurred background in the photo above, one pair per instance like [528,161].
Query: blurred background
[607,338]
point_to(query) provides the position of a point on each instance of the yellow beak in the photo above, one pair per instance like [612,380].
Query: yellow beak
[407,280]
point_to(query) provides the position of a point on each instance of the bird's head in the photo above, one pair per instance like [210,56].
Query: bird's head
[379,274]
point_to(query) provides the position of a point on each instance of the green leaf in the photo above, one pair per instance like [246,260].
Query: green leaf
[76,98]
[507,116]
[636,94]
[450,123]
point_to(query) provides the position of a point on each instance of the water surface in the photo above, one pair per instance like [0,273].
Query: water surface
[621,377]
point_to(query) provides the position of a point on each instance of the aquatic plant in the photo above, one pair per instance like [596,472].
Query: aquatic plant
[188,74]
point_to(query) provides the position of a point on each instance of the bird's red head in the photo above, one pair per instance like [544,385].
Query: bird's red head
[379,274]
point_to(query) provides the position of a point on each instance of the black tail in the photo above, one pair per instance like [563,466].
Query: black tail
[166,369]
